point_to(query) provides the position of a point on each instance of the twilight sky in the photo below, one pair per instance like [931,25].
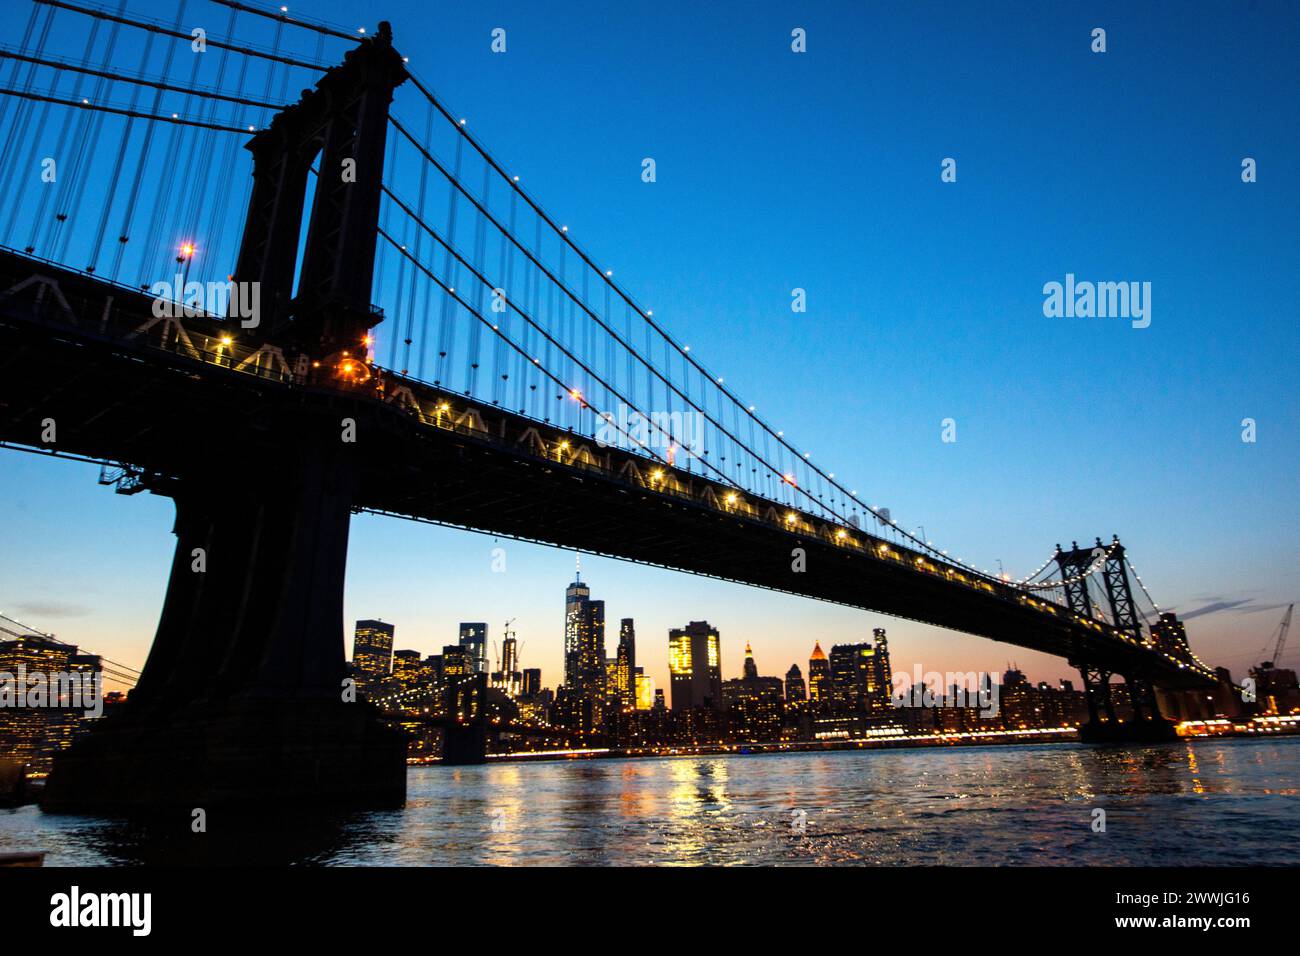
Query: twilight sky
[821,170]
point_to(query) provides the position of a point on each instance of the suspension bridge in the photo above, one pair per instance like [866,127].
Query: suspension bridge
[280,308]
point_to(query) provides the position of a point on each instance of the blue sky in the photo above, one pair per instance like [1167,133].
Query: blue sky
[821,171]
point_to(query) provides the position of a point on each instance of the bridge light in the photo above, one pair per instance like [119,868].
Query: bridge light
[564,229]
[575,394]
[187,250]
[789,480]
[657,475]
[226,340]
[841,534]
[789,517]
[731,498]
[361,29]
[609,272]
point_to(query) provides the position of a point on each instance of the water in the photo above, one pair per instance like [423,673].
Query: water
[1211,802]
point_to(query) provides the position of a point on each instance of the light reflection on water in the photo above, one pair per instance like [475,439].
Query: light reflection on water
[1230,802]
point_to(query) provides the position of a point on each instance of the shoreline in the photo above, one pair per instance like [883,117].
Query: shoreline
[1256,729]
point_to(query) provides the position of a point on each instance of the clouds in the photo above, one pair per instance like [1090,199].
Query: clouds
[1217,604]
[35,612]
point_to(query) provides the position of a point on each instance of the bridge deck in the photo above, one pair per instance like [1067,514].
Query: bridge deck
[160,393]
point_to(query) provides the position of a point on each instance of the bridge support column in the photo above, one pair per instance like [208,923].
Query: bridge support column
[242,698]
[1146,724]
[465,736]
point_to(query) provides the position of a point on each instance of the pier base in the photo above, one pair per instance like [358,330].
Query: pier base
[242,754]
[464,744]
[244,698]
[1157,730]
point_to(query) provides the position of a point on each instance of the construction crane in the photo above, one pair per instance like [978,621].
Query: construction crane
[1281,635]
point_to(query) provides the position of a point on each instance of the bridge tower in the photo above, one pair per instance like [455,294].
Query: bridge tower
[343,121]
[243,700]
[1076,565]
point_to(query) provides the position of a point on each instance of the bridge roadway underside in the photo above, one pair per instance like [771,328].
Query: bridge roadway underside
[174,416]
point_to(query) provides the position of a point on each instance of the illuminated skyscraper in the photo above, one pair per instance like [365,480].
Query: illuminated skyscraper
[645,691]
[695,665]
[625,667]
[853,675]
[406,667]
[372,650]
[584,657]
[819,676]
[473,638]
[861,676]
[884,670]
[507,678]
[754,704]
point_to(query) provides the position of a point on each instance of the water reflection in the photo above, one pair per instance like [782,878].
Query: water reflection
[1210,802]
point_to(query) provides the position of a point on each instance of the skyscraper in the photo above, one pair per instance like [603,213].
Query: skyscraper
[508,678]
[695,665]
[473,638]
[819,675]
[861,675]
[754,704]
[645,691]
[884,670]
[584,656]
[853,675]
[372,650]
[625,666]
[795,691]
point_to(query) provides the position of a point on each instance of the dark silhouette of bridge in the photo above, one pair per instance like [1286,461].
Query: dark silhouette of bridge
[554,428]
